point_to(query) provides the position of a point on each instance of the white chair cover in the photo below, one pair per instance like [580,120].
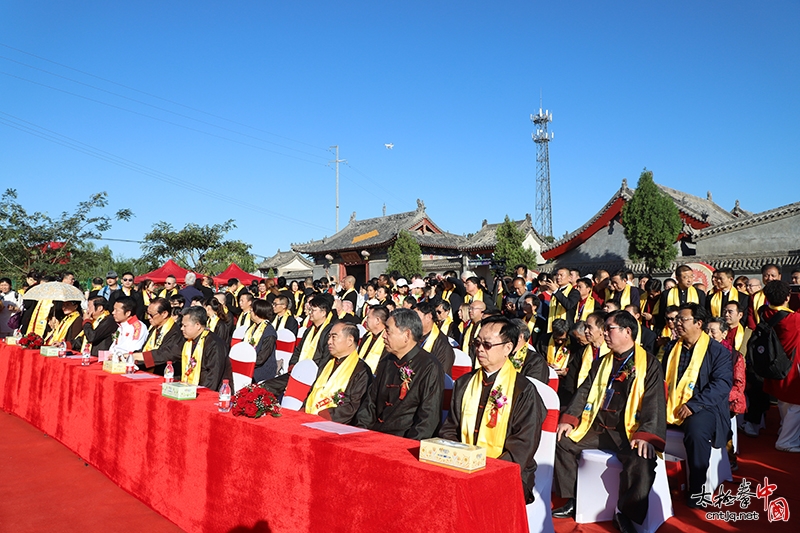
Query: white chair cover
[302,378]
[284,348]
[243,361]
[461,365]
[719,467]
[553,383]
[539,513]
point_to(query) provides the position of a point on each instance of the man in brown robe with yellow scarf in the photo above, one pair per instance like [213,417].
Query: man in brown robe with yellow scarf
[620,408]
[496,407]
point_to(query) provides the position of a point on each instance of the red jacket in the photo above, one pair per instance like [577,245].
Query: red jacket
[788,331]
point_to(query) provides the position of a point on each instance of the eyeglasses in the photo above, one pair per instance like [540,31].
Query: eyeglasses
[486,344]
[609,328]
[683,319]
[127,279]
[671,318]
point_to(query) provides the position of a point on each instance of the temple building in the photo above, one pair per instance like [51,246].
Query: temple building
[291,265]
[480,246]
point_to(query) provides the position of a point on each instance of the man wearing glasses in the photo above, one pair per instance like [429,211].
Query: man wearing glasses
[283,316]
[165,340]
[619,408]
[699,375]
[128,290]
[495,407]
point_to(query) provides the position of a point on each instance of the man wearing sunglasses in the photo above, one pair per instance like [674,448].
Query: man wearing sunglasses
[620,408]
[495,407]
[128,290]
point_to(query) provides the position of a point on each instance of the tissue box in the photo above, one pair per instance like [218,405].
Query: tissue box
[50,351]
[179,391]
[114,367]
[11,340]
[450,454]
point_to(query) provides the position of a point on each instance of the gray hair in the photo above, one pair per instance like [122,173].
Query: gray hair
[196,314]
[190,278]
[523,328]
[408,320]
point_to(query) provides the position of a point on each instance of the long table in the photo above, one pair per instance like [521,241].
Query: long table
[213,472]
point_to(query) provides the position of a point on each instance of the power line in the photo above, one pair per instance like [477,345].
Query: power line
[73,144]
[159,97]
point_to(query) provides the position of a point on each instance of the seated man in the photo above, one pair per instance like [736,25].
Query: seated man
[526,360]
[619,408]
[283,316]
[509,427]
[343,382]
[131,332]
[405,399]
[68,328]
[433,341]
[314,343]
[204,356]
[372,348]
[698,374]
[165,341]
[99,325]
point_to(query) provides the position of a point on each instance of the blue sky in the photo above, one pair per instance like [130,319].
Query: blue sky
[228,109]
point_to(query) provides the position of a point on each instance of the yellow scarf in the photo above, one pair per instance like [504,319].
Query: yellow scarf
[38,323]
[373,356]
[446,296]
[531,323]
[212,322]
[167,294]
[518,359]
[327,385]
[581,314]
[146,298]
[588,359]
[643,301]
[63,328]
[625,297]
[556,309]
[432,336]
[446,323]
[191,361]
[758,300]
[310,340]
[244,320]
[674,296]
[95,323]
[716,301]
[738,338]
[678,393]
[492,439]
[277,320]
[468,336]
[477,298]
[598,390]
[254,332]
[157,335]
[557,360]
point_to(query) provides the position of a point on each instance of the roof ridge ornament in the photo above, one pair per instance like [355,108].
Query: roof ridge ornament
[353,217]
[624,183]
[420,205]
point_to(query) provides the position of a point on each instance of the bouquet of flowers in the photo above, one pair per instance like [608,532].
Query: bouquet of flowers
[255,401]
[31,341]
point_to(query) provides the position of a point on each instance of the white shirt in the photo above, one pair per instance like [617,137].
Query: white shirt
[132,336]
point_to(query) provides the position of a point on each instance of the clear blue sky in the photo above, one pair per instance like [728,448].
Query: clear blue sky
[229,108]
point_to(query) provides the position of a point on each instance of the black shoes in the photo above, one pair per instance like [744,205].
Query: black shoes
[623,523]
[565,511]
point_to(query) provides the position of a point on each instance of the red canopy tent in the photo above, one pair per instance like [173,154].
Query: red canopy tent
[235,271]
[159,275]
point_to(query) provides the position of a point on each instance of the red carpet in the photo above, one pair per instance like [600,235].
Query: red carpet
[45,487]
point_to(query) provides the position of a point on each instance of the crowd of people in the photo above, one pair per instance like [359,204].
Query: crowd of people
[383,349]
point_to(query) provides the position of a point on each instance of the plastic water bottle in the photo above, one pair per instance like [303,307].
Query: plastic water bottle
[130,366]
[169,373]
[62,349]
[225,397]
[85,354]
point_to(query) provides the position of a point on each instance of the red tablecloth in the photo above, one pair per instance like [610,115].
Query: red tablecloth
[211,471]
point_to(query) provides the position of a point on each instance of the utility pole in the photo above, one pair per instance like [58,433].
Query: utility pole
[337,161]
[544,212]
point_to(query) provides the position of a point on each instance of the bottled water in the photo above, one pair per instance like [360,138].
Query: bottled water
[169,373]
[85,354]
[225,397]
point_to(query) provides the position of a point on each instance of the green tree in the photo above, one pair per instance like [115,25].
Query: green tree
[652,223]
[405,255]
[509,246]
[198,248]
[37,241]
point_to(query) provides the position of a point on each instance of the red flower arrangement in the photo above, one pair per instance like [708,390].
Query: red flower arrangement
[31,341]
[255,401]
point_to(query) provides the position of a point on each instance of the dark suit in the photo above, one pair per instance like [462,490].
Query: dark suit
[140,308]
[744,304]
[354,393]
[100,337]
[682,296]
[169,350]
[419,414]
[215,364]
[535,366]
[266,364]
[287,322]
[649,338]
[443,352]
[568,302]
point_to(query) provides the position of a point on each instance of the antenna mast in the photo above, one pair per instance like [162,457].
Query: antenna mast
[337,161]
[544,212]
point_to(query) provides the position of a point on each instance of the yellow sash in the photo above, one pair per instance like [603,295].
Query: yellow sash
[758,300]
[446,323]
[531,323]
[38,323]
[556,309]
[191,372]
[432,336]
[716,301]
[63,328]
[598,391]
[326,385]
[678,393]
[253,334]
[373,357]
[738,338]
[557,360]
[167,294]
[146,298]
[277,320]
[446,296]
[518,359]
[244,320]
[95,323]
[588,359]
[493,439]
[157,335]
[468,336]
[212,322]
[310,340]
[674,296]
[625,297]
[643,301]
[588,309]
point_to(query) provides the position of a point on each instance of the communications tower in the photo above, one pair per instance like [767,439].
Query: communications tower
[543,219]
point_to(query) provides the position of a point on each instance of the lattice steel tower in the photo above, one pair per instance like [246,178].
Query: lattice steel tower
[543,219]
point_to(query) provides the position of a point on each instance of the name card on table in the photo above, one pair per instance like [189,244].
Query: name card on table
[114,367]
[450,454]
[50,351]
[179,391]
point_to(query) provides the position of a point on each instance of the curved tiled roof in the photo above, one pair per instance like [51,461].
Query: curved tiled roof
[753,220]
[486,237]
